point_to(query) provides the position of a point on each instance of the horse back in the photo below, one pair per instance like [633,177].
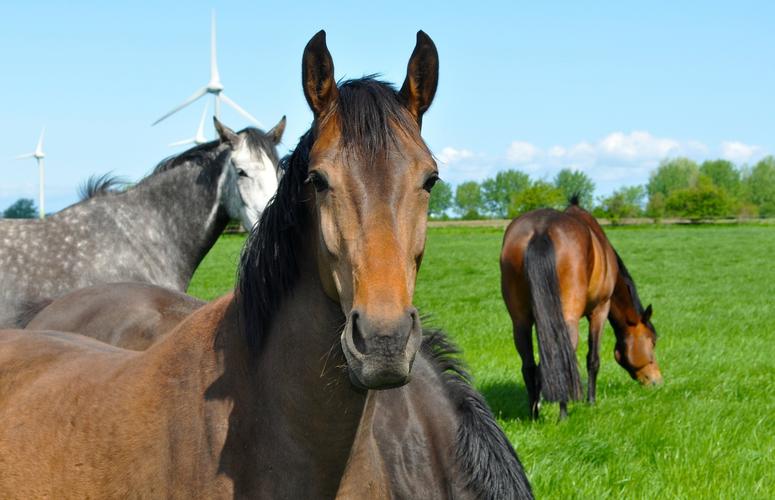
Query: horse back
[80,418]
[128,315]
[582,262]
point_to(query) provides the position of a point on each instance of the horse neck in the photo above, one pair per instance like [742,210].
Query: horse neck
[187,213]
[299,406]
[622,305]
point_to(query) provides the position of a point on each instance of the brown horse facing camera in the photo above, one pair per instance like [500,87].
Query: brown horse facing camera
[555,268]
[251,395]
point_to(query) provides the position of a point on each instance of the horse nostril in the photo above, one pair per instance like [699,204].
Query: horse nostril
[358,340]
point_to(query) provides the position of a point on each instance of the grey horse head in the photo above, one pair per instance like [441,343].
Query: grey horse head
[249,180]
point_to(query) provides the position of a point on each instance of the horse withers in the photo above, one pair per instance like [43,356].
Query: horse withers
[557,267]
[258,394]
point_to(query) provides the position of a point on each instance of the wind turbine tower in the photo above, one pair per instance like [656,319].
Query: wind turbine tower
[39,156]
[214,87]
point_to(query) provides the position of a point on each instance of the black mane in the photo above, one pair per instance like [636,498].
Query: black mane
[203,154]
[484,454]
[625,274]
[98,185]
[368,113]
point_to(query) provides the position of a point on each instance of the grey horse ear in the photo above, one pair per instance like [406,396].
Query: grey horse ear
[226,134]
[277,131]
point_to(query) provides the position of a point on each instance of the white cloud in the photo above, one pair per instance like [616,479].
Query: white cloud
[739,152]
[521,152]
[557,152]
[450,155]
[636,146]
[617,159]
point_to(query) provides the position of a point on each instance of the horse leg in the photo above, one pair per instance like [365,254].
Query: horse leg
[596,324]
[523,340]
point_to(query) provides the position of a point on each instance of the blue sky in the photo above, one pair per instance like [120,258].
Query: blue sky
[608,88]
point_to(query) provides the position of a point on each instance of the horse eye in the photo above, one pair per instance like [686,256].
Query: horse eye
[318,180]
[430,182]
[241,173]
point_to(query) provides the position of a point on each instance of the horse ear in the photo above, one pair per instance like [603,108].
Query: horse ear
[226,134]
[277,131]
[422,77]
[317,75]
[646,314]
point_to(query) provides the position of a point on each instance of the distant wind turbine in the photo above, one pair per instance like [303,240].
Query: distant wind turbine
[199,138]
[39,156]
[214,87]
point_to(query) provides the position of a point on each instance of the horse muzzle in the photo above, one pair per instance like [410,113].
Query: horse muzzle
[380,353]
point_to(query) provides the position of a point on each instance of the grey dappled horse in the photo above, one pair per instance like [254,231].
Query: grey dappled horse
[155,232]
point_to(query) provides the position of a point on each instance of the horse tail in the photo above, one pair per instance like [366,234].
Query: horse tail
[29,310]
[559,373]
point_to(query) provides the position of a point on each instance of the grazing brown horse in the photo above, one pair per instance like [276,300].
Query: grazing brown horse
[555,268]
[434,437]
[258,394]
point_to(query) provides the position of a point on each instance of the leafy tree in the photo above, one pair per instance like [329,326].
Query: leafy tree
[678,173]
[702,201]
[761,184]
[656,206]
[571,183]
[441,199]
[468,200]
[723,174]
[623,203]
[23,208]
[498,191]
[539,195]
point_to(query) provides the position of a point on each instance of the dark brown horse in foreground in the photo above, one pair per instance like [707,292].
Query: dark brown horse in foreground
[258,394]
[555,268]
[248,396]
[435,437]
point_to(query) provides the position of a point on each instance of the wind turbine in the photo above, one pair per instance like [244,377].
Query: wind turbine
[199,138]
[214,87]
[39,155]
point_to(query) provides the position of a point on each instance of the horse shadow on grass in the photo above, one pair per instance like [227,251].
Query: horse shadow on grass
[508,400]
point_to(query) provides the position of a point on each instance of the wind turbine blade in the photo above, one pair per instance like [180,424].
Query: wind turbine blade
[181,143]
[39,148]
[200,132]
[24,157]
[214,76]
[196,95]
[239,109]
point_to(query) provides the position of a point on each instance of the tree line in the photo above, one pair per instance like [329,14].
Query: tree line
[679,187]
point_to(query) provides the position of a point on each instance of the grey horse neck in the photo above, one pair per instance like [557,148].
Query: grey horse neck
[180,216]
[156,232]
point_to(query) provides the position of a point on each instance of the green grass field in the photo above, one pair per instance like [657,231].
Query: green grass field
[708,432]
